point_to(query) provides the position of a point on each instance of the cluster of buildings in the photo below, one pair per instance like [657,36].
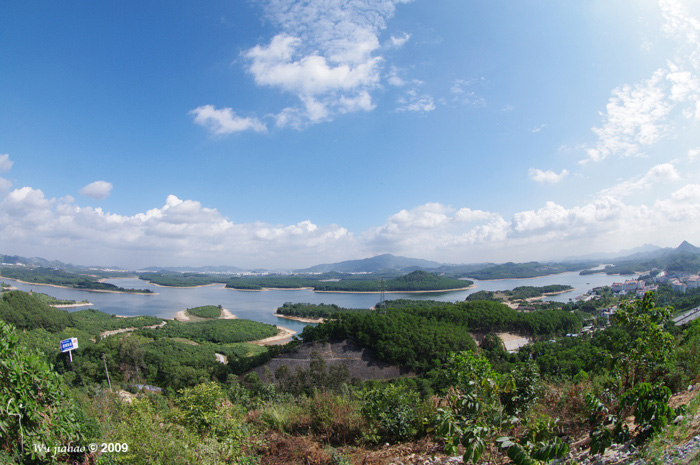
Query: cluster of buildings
[680,282]
[636,286]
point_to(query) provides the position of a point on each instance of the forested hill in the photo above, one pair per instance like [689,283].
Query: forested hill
[421,335]
[512,270]
[64,279]
[417,281]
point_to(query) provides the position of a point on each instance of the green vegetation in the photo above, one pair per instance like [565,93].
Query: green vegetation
[673,263]
[484,403]
[26,312]
[94,322]
[306,310]
[39,410]
[512,270]
[64,279]
[217,331]
[422,337]
[49,300]
[519,293]
[183,279]
[206,311]
[415,281]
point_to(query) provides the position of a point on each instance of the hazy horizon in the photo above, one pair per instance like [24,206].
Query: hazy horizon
[282,134]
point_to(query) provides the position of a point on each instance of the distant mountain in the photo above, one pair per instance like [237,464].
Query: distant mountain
[194,269]
[642,249]
[386,262]
[687,247]
[36,261]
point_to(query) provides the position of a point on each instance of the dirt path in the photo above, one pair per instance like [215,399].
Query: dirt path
[283,336]
[128,330]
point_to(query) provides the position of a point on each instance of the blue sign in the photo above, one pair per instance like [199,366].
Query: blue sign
[69,344]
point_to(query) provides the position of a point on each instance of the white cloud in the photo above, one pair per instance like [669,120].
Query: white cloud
[400,41]
[325,53]
[183,231]
[640,115]
[694,154]
[665,172]
[463,93]
[539,128]
[547,176]
[98,190]
[416,103]
[689,192]
[5,163]
[225,121]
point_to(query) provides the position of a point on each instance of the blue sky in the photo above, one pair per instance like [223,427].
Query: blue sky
[276,133]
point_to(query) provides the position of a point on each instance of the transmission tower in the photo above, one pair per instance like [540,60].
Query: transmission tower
[382,299]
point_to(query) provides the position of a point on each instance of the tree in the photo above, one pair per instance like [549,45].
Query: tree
[650,345]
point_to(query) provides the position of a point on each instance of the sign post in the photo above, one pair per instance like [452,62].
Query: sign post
[69,345]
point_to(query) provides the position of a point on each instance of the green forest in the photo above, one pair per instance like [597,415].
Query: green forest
[512,270]
[477,401]
[519,293]
[336,282]
[307,310]
[63,278]
[205,311]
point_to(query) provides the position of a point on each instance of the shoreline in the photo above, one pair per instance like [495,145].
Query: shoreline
[75,305]
[183,287]
[399,292]
[301,319]
[81,289]
[182,316]
[279,339]
[271,289]
[547,294]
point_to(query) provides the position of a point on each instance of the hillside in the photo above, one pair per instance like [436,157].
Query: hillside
[385,262]
[346,395]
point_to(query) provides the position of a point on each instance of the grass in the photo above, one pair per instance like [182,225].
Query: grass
[674,435]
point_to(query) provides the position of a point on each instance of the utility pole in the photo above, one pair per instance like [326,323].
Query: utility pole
[104,359]
[382,300]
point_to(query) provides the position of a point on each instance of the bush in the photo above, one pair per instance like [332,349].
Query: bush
[393,411]
[34,393]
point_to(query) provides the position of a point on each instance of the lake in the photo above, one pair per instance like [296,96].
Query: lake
[261,305]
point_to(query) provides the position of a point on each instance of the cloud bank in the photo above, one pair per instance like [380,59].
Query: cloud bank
[185,232]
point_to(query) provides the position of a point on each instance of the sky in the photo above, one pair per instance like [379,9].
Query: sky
[283,134]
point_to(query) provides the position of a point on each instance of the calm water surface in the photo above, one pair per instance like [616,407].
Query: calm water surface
[261,305]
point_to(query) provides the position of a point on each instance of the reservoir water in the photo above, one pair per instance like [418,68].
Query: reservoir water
[261,305]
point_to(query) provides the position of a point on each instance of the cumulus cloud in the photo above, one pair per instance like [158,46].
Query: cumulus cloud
[694,154]
[549,176]
[664,172]
[325,53]
[98,190]
[415,102]
[5,163]
[225,121]
[179,231]
[185,231]
[689,192]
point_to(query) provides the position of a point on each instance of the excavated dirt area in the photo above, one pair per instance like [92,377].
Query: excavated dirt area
[360,362]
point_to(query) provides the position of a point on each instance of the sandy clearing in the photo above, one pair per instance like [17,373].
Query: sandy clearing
[283,336]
